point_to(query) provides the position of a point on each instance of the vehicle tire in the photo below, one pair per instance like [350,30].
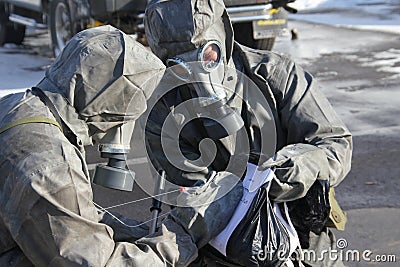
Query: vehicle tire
[60,25]
[3,24]
[244,35]
[10,32]
[3,32]
[16,33]
[265,44]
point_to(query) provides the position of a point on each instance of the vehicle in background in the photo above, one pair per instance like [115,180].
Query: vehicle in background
[256,23]
[65,18]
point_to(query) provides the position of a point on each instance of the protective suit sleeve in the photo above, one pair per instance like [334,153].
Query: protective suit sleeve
[51,216]
[319,146]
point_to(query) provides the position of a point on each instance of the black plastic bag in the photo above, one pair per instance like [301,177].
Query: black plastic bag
[258,238]
[311,213]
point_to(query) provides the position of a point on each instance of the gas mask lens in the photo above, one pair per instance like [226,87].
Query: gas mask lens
[209,55]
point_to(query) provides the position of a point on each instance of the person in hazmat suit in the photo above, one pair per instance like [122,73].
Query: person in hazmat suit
[47,215]
[256,106]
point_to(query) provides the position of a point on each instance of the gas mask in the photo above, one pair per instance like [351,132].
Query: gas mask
[114,145]
[203,70]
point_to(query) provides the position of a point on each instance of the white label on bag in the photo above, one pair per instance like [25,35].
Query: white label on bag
[253,180]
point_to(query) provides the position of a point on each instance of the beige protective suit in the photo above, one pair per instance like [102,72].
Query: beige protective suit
[280,103]
[47,214]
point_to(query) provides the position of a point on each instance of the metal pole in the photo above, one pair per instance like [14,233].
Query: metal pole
[156,206]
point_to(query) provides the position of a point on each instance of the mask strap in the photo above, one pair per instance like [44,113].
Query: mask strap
[34,119]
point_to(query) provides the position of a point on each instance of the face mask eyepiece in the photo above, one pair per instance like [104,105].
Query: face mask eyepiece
[210,55]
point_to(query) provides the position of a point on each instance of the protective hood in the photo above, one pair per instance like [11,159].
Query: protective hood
[105,75]
[177,26]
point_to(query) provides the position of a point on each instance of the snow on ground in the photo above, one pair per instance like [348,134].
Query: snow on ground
[386,61]
[377,15]
[19,70]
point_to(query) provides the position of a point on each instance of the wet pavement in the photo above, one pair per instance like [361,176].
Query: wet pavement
[359,73]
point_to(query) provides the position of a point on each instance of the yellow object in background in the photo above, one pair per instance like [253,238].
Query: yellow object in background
[337,217]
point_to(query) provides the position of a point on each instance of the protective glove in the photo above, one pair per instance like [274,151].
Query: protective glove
[311,212]
[204,211]
[125,229]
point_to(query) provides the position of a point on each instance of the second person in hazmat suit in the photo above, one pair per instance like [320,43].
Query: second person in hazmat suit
[284,121]
[47,215]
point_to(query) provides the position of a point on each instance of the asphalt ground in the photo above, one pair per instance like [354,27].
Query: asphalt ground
[358,72]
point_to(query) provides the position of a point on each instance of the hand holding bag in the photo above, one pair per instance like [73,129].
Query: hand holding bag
[315,211]
[257,234]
